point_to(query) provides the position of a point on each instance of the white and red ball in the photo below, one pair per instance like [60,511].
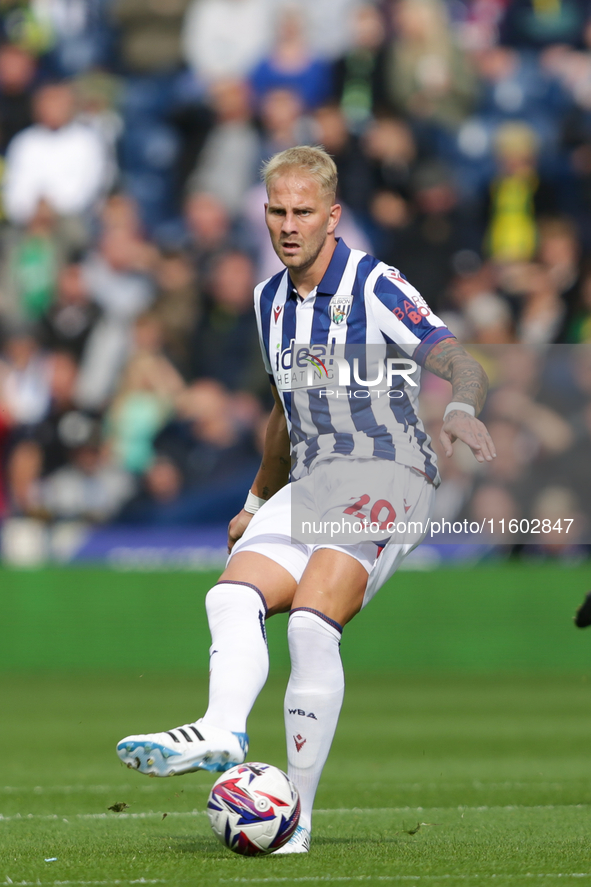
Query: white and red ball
[253,809]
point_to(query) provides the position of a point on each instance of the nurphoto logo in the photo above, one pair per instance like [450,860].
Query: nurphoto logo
[313,366]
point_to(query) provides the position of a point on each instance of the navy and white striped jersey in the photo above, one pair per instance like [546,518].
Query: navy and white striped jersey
[359,303]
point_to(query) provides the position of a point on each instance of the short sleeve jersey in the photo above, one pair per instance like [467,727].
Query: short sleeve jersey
[359,302]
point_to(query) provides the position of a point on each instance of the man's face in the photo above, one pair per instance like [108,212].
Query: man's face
[54,106]
[300,218]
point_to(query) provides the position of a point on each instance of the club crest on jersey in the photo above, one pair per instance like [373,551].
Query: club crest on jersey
[340,308]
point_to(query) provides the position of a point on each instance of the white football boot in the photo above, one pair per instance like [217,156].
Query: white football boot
[183,749]
[298,843]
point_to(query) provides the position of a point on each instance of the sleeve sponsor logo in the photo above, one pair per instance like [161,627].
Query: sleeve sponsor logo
[413,305]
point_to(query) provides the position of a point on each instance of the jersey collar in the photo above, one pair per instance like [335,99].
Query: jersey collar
[330,282]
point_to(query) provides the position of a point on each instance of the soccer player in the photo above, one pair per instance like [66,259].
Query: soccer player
[328,454]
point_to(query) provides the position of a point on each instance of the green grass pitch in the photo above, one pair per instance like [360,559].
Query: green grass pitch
[494,763]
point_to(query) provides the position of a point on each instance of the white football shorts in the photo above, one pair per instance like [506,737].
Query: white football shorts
[372,504]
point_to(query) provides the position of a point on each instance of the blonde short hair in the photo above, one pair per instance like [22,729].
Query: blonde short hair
[314,161]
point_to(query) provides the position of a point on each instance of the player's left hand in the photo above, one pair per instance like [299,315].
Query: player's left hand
[459,425]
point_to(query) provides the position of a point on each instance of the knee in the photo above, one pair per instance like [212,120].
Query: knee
[310,633]
[307,619]
[214,599]
[314,649]
[235,597]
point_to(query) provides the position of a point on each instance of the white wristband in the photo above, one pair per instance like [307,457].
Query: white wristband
[253,503]
[455,405]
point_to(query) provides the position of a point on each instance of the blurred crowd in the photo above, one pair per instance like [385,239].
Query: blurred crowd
[537,492]
[132,228]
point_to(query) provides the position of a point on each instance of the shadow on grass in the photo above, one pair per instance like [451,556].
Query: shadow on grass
[202,846]
[356,842]
[213,850]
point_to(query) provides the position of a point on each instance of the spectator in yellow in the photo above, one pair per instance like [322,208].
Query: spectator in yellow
[517,194]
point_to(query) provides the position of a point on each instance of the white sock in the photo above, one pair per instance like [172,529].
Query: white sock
[313,700]
[238,656]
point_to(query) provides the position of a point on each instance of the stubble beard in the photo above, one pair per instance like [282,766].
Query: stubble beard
[304,259]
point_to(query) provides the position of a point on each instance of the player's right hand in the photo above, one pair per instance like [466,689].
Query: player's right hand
[237,526]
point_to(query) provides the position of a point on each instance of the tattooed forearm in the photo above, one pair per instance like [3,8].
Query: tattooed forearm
[450,361]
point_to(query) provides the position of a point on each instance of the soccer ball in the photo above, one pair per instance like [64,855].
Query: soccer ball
[253,809]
